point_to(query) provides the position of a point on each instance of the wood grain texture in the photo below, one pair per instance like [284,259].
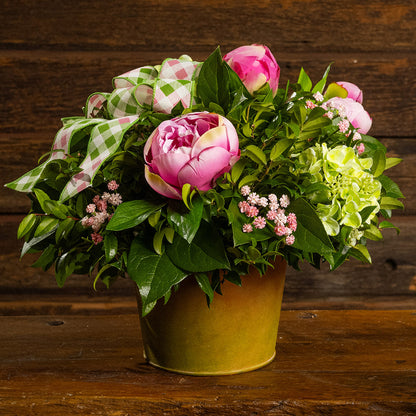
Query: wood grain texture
[307,26]
[328,362]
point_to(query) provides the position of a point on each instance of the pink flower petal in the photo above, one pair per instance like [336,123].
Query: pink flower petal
[169,164]
[203,170]
[160,186]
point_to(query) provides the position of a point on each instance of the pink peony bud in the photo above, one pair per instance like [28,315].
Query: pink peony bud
[196,148]
[354,111]
[353,91]
[255,65]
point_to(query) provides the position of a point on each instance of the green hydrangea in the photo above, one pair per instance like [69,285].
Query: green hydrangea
[341,186]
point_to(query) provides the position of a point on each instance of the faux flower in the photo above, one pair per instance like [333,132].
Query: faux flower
[354,112]
[255,65]
[194,149]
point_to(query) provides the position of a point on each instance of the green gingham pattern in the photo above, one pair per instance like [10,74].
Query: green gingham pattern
[158,88]
[60,149]
[105,140]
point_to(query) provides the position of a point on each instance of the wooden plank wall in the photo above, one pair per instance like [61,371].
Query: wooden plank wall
[55,53]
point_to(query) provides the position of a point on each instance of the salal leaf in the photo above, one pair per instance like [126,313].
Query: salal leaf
[154,274]
[26,225]
[186,224]
[205,253]
[310,235]
[132,213]
[205,284]
[280,147]
[304,80]
[110,246]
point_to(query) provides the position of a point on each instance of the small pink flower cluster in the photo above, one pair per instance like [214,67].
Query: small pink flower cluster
[334,107]
[99,211]
[284,225]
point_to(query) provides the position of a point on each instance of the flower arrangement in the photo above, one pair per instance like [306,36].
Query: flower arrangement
[190,168]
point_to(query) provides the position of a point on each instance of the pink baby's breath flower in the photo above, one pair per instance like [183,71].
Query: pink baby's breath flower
[263,202]
[272,198]
[247,228]
[105,196]
[310,104]
[112,185]
[102,205]
[280,230]
[361,148]
[115,199]
[318,97]
[292,221]
[356,137]
[96,238]
[290,239]
[252,212]
[259,222]
[243,205]
[271,215]
[284,201]
[343,125]
[324,106]
[329,114]
[96,199]
[90,208]
[245,190]
[253,198]
[274,206]
[87,221]
[281,218]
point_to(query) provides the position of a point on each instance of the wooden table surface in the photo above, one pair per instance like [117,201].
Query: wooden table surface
[329,362]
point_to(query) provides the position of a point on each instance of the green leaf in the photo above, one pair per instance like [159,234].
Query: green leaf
[64,228]
[41,197]
[47,258]
[154,274]
[110,246]
[388,224]
[379,163]
[392,161]
[247,180]
[304,80]
[390,187]
[373,233]
[26,225]
[237,170]
[64,267]
[213,81]
[46,225]
[132,213]
[390,203]
[360,252]
[280,147]
[256,154]
[205,284]
[310,235]
[29,245]
[81,204]
[366,212]
[321,84]
[186,224]
[204,254]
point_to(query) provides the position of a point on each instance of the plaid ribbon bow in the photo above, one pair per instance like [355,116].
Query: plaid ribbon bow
[147,88]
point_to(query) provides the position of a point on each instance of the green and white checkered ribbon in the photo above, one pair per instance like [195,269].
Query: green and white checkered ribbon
[147,88]
[60,150]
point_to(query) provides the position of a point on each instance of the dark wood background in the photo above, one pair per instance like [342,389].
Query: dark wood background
[55,53]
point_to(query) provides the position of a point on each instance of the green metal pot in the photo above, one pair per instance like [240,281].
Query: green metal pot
[236,334]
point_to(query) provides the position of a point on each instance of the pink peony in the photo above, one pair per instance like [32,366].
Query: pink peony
[255,65]
[354,111]
[196,148]
[353,91]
